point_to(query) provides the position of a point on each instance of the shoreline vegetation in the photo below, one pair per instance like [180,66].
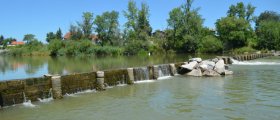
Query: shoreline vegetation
[185,33]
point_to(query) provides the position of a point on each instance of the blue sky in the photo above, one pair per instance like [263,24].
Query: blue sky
[20,17]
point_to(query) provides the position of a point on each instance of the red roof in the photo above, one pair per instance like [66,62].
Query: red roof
[17,43]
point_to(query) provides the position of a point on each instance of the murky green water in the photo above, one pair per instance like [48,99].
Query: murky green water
[252,93]
[26,67]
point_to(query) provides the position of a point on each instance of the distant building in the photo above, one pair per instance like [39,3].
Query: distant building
[16,43]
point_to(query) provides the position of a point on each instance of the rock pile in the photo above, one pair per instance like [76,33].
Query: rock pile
[197,67]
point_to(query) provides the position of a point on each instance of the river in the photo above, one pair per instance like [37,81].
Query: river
[252,93]
[26,67]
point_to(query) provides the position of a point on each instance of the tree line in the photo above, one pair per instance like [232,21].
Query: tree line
[185,33]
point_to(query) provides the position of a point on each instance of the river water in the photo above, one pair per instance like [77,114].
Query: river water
[252,93]
[26,67]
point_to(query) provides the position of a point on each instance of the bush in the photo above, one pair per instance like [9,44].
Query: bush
[210,44]
[243,50]
[55,46]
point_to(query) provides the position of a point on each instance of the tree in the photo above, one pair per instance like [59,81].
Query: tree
[1,39]
[75,32]
[268,30]
[132,15]
[29,38]
[235,30]
[107,27]
[50,36]
[87,24]
[210,44]
[143,26]
[59,34]
[185,28]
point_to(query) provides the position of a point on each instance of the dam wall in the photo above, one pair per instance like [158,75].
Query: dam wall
[18,91]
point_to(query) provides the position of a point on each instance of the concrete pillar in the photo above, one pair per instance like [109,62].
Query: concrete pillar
[130,76]
[173,70]
[156,74]
[56,87]
[100,81]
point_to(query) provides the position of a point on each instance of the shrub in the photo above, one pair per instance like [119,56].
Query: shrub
[210,44]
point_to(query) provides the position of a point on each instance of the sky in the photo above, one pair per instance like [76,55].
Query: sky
[38,17]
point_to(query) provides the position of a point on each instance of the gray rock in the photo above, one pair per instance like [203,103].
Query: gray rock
[195,59]
[215,60]
[190,66]
[220,67]
[195,72]
[210,73]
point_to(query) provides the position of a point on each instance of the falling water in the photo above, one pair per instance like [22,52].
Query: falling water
[26,102]
[141,73]
[164,70]
[49,97]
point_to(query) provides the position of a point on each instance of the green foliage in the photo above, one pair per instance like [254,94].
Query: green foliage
[50,36]
[58,34]
[54,46]
[87,24]
[1,39]
[29,38]
[76,32]
[235,30]
[185,28]
[210,44]
[243,50]
[107,28]
[268,33]
[32,48]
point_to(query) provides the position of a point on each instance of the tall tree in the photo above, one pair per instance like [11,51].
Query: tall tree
[235,30]
[59,34]
[131,15]
[143,26]
[107,27]
[186,26]
[1,39]
[87,24]
[50,36]
[75,32]
[29,38]
[268,30]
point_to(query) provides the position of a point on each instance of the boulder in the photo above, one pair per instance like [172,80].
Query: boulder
[215,60]
[195,59]
[210,73]
[203,67]
[220,67]
[190,66]
[195,72]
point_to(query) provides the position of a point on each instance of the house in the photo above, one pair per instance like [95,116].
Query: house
[16,43]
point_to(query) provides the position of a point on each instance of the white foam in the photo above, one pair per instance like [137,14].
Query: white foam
[144,81]
[28,104]
[236,62]
[120,85]
[164,77]
[45,100]
[80,92]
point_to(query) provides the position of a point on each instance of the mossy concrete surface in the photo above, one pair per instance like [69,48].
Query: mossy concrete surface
[115,77]
[78,82]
